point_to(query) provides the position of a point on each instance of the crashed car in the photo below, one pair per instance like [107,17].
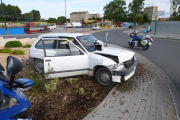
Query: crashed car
[71,54]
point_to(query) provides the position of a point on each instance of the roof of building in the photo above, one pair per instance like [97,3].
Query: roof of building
[78,12]
[150,7]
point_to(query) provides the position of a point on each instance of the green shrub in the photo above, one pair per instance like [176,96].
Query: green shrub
[70,80]
[13,44]
[51,85]
[81,91]
[5,50]
[17,52]
[27,46]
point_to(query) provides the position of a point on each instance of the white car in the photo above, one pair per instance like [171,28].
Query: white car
[95,28]
[71,54]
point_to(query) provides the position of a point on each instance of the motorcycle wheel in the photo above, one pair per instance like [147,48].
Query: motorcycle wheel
[131,44]
[145,47]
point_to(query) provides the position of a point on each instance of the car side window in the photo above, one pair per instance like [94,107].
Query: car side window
[39,45]
[61,48]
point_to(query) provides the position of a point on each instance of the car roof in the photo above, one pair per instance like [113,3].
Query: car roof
[63,34]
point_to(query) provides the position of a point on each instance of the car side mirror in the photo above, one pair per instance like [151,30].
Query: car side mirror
[14,66]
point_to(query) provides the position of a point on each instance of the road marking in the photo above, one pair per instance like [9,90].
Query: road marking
[173,46]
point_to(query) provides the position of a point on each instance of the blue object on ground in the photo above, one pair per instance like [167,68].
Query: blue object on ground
[12,31]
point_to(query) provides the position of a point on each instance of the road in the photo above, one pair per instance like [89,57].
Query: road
[165,53]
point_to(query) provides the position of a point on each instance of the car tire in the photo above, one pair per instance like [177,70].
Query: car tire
[39,65]
[103,77]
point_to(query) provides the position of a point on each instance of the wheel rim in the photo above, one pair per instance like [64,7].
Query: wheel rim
[40,65]
[104,77]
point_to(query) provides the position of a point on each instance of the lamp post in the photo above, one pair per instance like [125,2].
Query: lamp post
[65,15]
[7,32]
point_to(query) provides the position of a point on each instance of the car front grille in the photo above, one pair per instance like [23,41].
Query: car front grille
[129,63]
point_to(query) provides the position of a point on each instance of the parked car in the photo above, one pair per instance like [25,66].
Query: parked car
[130,26]
[71,54]
[96,28]
[52,27]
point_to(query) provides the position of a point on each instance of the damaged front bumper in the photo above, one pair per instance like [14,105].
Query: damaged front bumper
[118,76]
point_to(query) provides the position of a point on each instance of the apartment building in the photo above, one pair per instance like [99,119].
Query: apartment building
[77,16]
[95,15]
[150,10]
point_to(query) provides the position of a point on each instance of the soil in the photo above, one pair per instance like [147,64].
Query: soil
[65,103]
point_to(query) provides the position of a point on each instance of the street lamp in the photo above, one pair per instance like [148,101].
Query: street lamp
[65,15]
[7,32]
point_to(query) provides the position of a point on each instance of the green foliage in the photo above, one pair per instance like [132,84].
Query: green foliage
[175,8]
[81,91]
[138,18]
[52,20]
[62,19]
[38,79]
[115,10]
[17,52]
[136,6]
[145,18]
[51,85]
[5,50]
[36,14]
[27,46]
[13,44]
[71,80]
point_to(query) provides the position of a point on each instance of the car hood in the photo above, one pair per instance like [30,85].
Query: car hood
[122,54]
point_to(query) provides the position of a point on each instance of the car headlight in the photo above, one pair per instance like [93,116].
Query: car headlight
[117,66]
[7,102]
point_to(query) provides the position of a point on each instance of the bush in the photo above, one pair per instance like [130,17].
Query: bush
[50,86]
[27,46]
[5,51]
[13,44]
[17,52]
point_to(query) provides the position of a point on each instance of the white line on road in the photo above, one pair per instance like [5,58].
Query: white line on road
[173,46]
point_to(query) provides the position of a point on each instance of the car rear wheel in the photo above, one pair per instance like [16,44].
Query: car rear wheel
[39,65]
[103,77]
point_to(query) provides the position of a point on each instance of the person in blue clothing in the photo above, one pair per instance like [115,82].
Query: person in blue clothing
[149,29]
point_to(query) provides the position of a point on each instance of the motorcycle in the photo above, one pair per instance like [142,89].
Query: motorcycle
[13,103]
[138,42]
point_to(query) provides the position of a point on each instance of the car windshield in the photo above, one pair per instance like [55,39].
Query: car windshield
[88,42]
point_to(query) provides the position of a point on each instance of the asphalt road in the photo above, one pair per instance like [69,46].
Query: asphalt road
[165,53]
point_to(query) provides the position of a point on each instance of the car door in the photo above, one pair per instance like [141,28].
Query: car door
[64,59]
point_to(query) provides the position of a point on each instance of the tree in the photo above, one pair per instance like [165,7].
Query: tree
[52,20]
[175,7]
[36,14]
[62,20]
[115,10]
[145,18]
[138,18]
[136,6]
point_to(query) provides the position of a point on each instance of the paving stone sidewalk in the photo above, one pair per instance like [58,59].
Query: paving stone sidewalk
[143,97]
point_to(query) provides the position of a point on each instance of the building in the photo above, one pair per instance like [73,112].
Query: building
[150,10]
[95,15]
[77,16]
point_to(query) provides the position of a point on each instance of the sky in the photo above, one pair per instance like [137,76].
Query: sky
[55,8]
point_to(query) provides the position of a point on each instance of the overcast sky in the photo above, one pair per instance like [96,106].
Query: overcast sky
[55,8]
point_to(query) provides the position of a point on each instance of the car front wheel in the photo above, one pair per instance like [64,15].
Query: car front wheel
[39,65]
[103,77]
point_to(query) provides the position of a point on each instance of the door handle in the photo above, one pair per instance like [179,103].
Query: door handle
[48,60]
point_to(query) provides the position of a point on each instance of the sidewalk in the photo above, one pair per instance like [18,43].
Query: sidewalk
[145,96]
[163,36]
